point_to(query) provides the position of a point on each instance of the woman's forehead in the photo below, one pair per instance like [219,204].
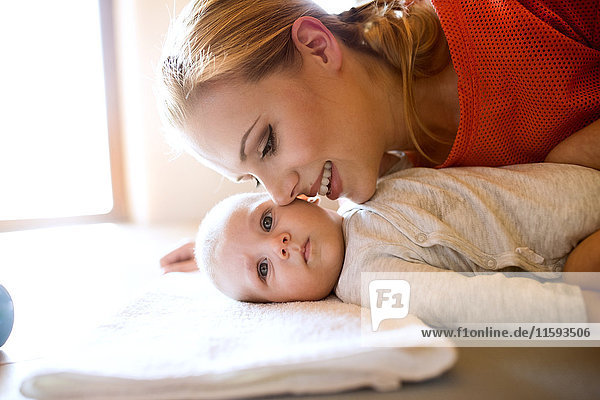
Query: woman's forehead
[220,130]
[227,101]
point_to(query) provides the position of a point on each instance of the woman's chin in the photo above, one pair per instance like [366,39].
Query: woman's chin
[362,195]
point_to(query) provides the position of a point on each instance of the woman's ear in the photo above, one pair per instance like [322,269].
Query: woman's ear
[315,42]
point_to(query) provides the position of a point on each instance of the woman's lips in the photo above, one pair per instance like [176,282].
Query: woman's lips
[314,189]
[335,184]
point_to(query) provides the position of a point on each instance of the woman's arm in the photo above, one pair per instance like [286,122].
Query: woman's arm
[581,148]
[584,258]
[592,305]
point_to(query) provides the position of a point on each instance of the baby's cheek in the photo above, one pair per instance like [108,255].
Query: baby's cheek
[307,287]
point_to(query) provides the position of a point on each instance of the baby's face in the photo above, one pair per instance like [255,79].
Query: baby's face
[280,253]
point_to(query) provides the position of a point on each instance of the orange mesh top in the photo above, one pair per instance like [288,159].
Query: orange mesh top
[528,75]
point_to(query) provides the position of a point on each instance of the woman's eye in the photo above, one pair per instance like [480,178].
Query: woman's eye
[270,146]
[263,269]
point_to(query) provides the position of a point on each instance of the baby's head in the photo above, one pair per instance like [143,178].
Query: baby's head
[255,250]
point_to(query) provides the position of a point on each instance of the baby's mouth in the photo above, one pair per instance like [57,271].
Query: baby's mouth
[306,252]
[324,189]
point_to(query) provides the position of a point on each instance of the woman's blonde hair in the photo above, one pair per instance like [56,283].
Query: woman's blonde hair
[214,40]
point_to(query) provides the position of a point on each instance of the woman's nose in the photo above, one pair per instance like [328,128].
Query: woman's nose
[283,188]
[280,246]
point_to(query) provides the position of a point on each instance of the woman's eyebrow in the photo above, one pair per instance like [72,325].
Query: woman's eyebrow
[244,138]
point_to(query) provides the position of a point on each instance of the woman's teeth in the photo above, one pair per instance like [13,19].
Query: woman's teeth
[325,180]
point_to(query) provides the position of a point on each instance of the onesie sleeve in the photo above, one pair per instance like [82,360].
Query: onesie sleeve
[442,297]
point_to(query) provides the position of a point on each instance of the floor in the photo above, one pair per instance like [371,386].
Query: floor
[65,281]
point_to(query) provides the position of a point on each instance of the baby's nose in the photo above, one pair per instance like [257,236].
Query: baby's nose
[280,246]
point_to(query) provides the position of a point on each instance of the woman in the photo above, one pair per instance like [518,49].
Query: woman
[307,102]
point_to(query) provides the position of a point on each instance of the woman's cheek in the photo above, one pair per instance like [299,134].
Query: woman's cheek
[309,149]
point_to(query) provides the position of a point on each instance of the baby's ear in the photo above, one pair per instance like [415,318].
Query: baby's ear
[315,200]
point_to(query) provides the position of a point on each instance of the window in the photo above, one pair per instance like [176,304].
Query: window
[56,75]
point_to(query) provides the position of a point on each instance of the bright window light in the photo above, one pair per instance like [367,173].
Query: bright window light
[54,158]
[336,6]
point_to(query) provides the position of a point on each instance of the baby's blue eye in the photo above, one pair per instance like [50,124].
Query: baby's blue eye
[263,269]
[266,221]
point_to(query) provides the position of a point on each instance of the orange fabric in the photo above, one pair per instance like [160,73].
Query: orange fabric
[528,75]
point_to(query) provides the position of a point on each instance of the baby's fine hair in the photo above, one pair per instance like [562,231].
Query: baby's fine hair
[218,40]
[210,232]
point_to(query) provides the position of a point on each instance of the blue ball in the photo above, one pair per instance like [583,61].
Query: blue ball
[7,315]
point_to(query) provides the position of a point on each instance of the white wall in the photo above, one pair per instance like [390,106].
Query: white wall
[161,189]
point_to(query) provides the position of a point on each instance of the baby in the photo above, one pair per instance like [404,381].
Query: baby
[474,219]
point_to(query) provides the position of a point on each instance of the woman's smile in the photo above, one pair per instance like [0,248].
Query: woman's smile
[335,185]
[316,186]
[328,183]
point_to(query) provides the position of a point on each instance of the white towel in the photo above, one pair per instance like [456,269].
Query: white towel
[184,340]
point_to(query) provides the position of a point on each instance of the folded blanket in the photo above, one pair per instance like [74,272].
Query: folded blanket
[184,340]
